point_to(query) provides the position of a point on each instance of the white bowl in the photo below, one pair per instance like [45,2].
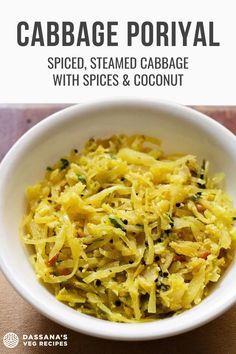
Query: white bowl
[181,130]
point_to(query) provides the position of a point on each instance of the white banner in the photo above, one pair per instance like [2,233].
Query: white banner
[73,51]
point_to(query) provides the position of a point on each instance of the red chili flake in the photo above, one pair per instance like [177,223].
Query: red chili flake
[53,260]
[200,208]
[204,254]
[179,258]
[64,271]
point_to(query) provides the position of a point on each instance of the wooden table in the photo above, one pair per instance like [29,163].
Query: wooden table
[217,337]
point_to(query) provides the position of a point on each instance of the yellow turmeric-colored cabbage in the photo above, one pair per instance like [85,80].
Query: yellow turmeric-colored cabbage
[125,233]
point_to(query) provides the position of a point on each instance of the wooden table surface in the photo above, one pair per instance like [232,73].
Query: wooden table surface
[217,337]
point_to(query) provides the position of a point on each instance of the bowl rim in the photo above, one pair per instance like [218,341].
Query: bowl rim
[88,324]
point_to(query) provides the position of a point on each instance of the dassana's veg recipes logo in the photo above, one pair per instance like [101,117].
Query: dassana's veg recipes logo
[11,340]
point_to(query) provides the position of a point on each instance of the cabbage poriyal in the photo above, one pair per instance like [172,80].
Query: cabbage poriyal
[125,233]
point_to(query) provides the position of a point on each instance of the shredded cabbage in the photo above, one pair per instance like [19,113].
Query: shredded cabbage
[125,233]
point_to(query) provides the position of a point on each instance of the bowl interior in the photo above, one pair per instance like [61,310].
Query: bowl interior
[180,129]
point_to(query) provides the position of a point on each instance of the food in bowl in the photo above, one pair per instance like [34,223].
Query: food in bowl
[125,233]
